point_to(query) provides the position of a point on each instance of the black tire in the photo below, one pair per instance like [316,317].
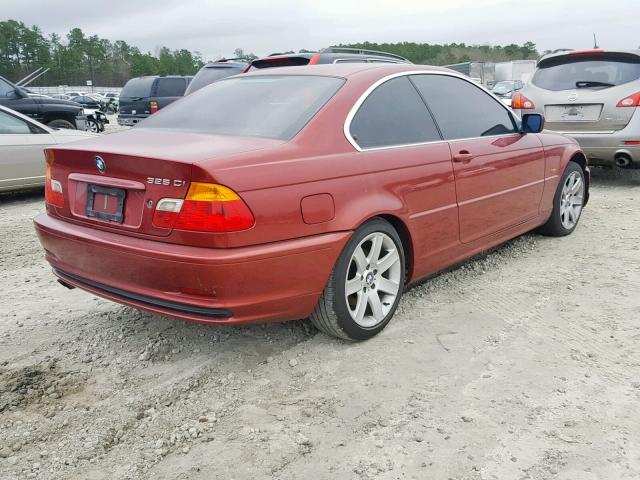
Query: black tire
[59,123]
[93,126]
[331,314]
[554,226]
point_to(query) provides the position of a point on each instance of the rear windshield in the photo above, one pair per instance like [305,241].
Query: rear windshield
[274,106]
[587,71]
[138,87]
[209,75]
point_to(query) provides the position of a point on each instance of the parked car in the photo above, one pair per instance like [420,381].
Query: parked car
[88,101]
[96,120]
[144,96]
[22,144]
[507,88]
[60,96]
[327,55]
[50,111]
[591,96]
[214,71]
[321,191]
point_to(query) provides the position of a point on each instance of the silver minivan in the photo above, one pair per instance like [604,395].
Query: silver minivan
[591,96]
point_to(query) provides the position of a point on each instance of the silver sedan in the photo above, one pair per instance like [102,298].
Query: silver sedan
[22,142]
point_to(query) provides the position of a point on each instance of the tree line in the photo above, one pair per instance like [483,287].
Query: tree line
[78,57]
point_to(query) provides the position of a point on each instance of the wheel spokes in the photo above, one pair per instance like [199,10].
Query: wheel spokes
[353,286]
[388,261]
[375,304]
[388,286]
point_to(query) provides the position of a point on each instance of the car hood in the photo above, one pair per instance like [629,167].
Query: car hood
[174,145]
[56,101]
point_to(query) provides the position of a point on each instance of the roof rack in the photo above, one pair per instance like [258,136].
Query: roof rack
[362,51]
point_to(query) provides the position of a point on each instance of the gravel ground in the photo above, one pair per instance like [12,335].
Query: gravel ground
[522,364]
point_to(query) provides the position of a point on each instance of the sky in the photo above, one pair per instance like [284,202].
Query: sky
[216,29]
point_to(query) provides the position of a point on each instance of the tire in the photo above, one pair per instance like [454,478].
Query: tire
[358,316]
[565,216]
[93,126]
[60,124]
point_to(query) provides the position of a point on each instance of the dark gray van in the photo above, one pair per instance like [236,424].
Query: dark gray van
[143,96]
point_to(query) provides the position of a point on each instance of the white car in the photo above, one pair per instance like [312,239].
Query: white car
[22,144]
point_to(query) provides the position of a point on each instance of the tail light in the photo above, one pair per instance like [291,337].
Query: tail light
[153,106]
[315,59]
[207,208]
[52,188]
[520,102]
[630,101]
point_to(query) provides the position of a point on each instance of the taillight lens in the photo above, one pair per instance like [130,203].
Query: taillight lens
[630,101]
[520,102]
[207,208]
[153,106]
[167,211]
[52,188]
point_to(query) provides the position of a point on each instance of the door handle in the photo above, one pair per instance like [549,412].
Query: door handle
[463,156]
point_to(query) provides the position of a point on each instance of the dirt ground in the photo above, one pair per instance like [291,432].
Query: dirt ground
[523,364]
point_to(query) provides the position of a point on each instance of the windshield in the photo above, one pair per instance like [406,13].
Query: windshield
[138,87]
[209,75]
[273,106]
[587,71]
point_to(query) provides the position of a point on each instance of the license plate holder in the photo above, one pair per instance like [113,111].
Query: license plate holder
[110,205]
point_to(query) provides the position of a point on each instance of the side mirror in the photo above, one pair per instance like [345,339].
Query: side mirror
[532,123]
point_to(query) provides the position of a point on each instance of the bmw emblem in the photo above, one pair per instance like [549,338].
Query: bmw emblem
[100,164]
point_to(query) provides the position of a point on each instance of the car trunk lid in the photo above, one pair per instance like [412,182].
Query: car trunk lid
[116,185]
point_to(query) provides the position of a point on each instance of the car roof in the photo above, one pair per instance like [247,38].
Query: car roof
[596,51]
[348,69]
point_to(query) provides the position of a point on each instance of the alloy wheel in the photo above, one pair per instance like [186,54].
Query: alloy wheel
[373,279]
[571,200]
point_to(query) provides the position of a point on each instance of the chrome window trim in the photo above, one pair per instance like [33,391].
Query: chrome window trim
[356,106]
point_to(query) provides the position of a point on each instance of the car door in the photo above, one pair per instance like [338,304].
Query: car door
[21,152]
[398,138]
[499,171]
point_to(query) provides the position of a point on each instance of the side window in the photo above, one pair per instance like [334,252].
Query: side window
[461,109]
[12,125]
[170,87]
[393,114]
[6,89]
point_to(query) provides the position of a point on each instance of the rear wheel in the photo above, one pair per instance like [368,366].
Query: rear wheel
[567,203]
[365,286]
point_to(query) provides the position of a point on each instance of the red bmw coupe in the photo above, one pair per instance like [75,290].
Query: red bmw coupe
[306,192]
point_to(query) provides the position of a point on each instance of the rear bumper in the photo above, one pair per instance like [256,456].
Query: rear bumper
[601,148]
[278,281]
[130,120]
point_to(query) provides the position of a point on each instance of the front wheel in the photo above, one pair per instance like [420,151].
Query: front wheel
[365,286]
[93,126]
[567,203]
